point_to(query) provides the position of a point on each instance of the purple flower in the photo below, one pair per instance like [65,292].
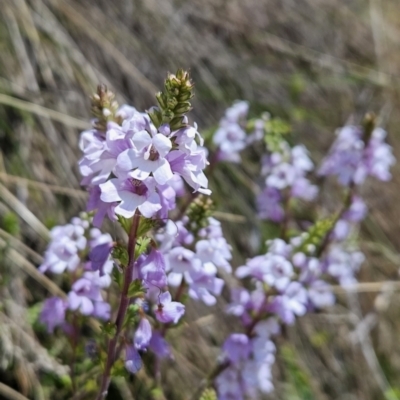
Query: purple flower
[237,347]
[99,256]
[291,303]
[215,251]
[320,294]
[159,346]
[142,334]
[85,296]
[148,157]
[133,361]
[352,160]
[167,310]
[132,194]
[66,242]
[240,298]
[230,138]
[53,313]
[269,204]
[152,269]
[190,168]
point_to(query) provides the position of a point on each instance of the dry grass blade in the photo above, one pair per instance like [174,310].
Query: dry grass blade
[20,246]
[43,112]
[79,20]
[10,393]
[44,186]
[23,212]
[31,270]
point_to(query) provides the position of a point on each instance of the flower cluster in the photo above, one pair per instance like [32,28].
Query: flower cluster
[194,260]
[230,137]
[135,165]
[357,154]
[85,253]
[250,360]
[285,177]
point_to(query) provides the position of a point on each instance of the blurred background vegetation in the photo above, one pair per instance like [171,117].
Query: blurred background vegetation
[316,64]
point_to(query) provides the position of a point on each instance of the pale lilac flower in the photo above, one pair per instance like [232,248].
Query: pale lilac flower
[159,346]
[343,264]
[143,334]
[237,347]
[352,160]
[215,251]
[99,255]
[85,296]
[320,294]
[190,168]
[230,137]
[53,313]
[291,303]
[133,361]
[240,299]
[132,194]
[167,310]
[269,204]
[152,269]
[62,252]
[148,157]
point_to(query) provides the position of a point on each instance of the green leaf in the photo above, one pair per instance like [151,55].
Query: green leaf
[33,313]
[119,369]
[141,246]
[125,223]
[117,276]
[145,225]
[131,315]
[136,289]
[109,329]
[208,394]
[120,253]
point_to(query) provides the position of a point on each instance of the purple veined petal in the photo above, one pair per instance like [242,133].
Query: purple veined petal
[133,361]
[162,144]
[109,191]
[129,204]
[142,139]
[127,160]
[151,205]
[165,297]
[162,172]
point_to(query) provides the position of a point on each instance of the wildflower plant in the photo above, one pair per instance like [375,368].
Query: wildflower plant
[146,173]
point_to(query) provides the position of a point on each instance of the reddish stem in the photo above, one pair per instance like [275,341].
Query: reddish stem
[123,306]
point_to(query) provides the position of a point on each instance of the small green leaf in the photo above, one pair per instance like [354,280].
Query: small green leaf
[136,289]
[145,225]
[119,369]
[208,394]
[141,246]
[117,276]
[125,223]
[120,253]
[109,329]
[131,315]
